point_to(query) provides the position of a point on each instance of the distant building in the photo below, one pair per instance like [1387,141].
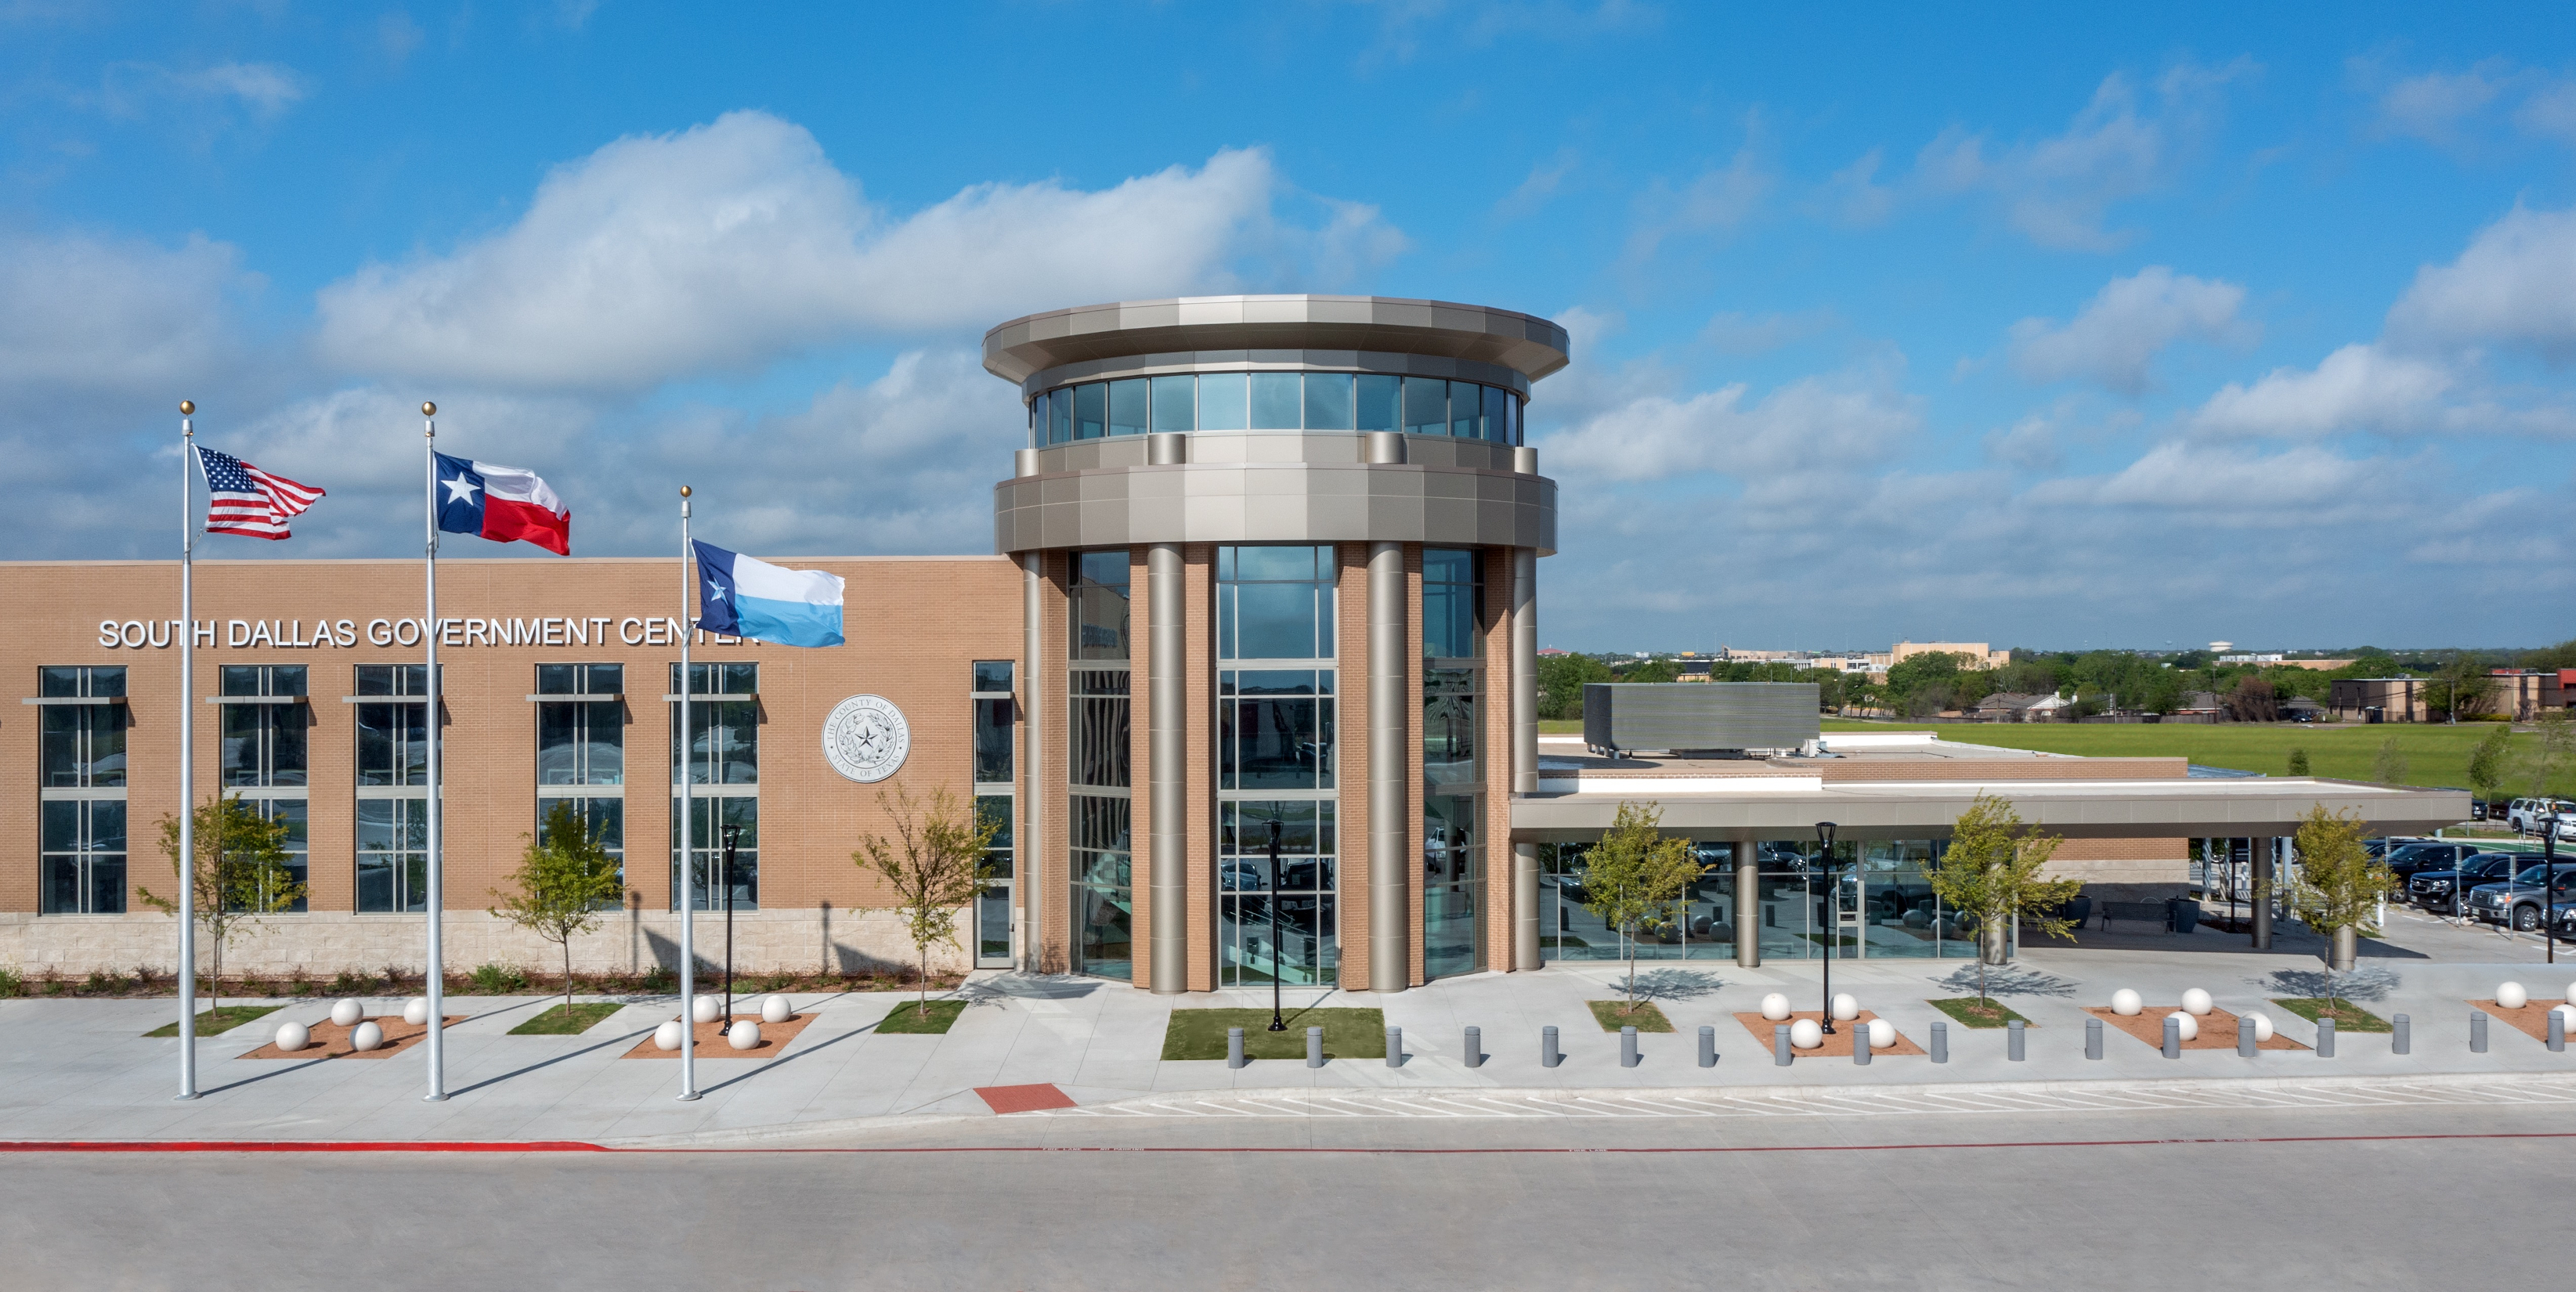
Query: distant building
[1975,651]
[2524,692]
[2398,699]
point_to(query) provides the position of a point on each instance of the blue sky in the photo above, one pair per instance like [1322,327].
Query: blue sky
[2046,327]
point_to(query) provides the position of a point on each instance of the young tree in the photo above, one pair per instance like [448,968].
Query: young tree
[2389,768]
[935,864]
[2549,753]
[563,881]
[2339,885]
[1990,873]
[2298,760]
[239,873]
[2487,762]
[1634,874]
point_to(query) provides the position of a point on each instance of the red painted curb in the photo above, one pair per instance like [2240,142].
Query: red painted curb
[296,1146]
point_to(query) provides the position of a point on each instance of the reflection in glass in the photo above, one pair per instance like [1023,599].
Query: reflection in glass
[1129,406]
[1426,406]
[1175,408]
[1060,418]
[1453,594]
[1328,401]
[1379,402]
[1090,411]
[708,820]
[81,850]
[1224,402]
[1275,399]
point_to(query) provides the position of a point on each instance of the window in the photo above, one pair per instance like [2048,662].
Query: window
[723,766]
[1104,906]
[1275,602]
[1060,418]
[995,710]
[1380,400]
[1328,401]
[1274,729]
[1453,603]
[581,750]
[1453,858]
[1300,892]
[1175,404]
[1426,406]
[1224,402]
[83,848]
[80,761]
[393,788]
[1098,765]
[1090,411]
[1275,401]
[1466,410]
[266,721]
[1129,406]
[1275,764]
[1099,605]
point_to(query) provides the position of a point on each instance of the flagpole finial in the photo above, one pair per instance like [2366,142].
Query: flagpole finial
[187,408]
[428,409]
[684,491]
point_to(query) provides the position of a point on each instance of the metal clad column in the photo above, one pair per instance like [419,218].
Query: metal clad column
[1748,898]
[1032,803]
[1525,750]
[1390,866]
[1166,749]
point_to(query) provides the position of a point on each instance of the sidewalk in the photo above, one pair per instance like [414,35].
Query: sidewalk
[81,1069]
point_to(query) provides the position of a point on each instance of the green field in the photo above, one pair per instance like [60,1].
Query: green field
[2437,754]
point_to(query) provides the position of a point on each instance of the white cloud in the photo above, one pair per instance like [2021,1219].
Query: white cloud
[1718,201]
[1814,424]
[2432,106]
[724,246]
[2356,388]
[267,90]
[1539,187]
[93,314]
[2515,283]
[1854,195]
[2112,341]
[2550,112]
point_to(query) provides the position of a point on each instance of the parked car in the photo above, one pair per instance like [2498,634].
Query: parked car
[2518,900]
[2439,890]
[2524,814]
[2411,859]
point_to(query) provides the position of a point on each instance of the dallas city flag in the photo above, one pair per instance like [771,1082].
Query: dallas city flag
[502,504]
[741,597]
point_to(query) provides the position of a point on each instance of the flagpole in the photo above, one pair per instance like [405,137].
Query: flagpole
[187,755]
[437,885]
[688,833]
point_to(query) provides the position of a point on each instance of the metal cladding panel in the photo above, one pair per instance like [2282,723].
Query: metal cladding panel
[1699,715]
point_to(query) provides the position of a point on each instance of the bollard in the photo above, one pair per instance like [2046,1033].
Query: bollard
[2325,1037]
[2402,1039]
[2557,1032]
[2477,1031]
[2173,1037]
[1780,1045]
[1860,1044]
[2014,1048]
[1627,1047]
[1234,1047]
[1707,1046]
[1475,1047]
[1940,1042]
[2244,1039]
[2092,1038]
[1395,1047]
[1547,1053]
[1314,1047]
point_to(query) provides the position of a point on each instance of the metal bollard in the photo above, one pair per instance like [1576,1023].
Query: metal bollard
[2402,1041]
[2325,1037]
[2557,1032]
[1940,1042]
[2477,1031]
[1860,1044]
[1780,1045]
[1234,1047]
[2244,1039]
[2173,1037]
[1475,1047]
[2092,1038]
[1395,1047]
[1707,1046]
[1548,1057]
[1314,1047]
[1627,1047]
[2014,1047]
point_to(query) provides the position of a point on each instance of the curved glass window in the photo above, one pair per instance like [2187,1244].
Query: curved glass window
[1090,411]
[1175,404]
[1328,401]
[1127,406]
[1426,406]
[1222,405]
[1275,401]
[1379,397]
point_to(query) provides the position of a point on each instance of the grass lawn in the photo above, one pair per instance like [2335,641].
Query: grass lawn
[567,1020]
[215,1022]
[1560,726]
[909,1018]
[2348,1017]
[2437,754]
[1348,1033]
[1647,1018]
[1971,1012]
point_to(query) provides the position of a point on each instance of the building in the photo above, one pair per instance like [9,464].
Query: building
[2395,699]
[1240,527]
[2522,694]
[1977,653]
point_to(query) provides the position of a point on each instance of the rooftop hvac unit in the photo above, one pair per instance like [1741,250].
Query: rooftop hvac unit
[1699,717]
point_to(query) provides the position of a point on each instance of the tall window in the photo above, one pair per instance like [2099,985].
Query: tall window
[1452,842]
[81,789]
[393,787]
[723,767]
[1098,767]
[1275,765]
[266,718]
[995,710]
[581,749]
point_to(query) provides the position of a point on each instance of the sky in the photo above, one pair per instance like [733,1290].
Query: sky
[2048,326]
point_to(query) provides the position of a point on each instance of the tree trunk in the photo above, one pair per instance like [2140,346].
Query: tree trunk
[567,950]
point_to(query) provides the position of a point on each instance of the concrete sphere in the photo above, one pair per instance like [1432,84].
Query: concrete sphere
[1882,1034]
[1806,1034]
[2567,1012]
[743,1035]
[416,1011]
[2512,996]
[776,1010]
[2196,1002]
[2190,1025]
[366,1036]
[293,1036]
[667,1036]
[1775,1007]
[2262,1025]
[705,1009]
[348,1012]
[2125,1002]
[1845,1008]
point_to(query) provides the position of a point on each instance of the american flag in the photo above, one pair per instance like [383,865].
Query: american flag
[246,500]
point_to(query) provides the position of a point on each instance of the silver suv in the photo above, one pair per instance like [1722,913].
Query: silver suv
[2524,814]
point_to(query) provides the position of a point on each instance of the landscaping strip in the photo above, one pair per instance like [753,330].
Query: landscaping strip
[216,1022]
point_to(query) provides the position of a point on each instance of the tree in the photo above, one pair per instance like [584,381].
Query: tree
[1634,874]
[2298,760]
[238,876]
[2389,768]
[2562,655]
[1652,670]
[1991,873]
[2462,686]
[935,865]
[1560,683]
[2487,762]
[2549,753]
[2252,700]
[2339,885]
[1928,677]
[562,882]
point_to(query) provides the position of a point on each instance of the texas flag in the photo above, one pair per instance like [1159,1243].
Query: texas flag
[502,504]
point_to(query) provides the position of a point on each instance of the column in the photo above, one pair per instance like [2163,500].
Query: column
[1391,865]
[2261,851]
[1031,836]
[1168,810]
[1748,899]
[1524,750]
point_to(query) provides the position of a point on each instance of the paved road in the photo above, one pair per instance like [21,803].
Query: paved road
[2160,1200]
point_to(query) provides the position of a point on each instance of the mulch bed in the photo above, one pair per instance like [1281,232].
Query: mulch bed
[712,1044]
[2531,1020]
[2217,1028]
[1838,1043]
[331,1041]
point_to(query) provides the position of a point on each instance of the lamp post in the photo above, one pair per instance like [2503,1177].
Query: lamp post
[1277,1024]
[732,835]
[2549,883]
[1833,919]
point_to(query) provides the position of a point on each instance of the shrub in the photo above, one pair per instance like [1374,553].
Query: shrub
[659,979]
[350,982]
[498,979]
[12,983]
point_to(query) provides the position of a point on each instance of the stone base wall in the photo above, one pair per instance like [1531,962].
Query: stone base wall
[827,940]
